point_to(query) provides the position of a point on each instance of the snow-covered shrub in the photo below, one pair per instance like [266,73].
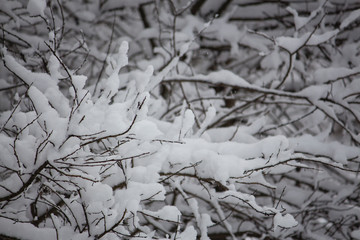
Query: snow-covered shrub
[179,120]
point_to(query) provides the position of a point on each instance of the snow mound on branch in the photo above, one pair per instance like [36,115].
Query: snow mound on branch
[323,75]
[335,150]
[36,7]
[286,221]
[293,44]
[355,234]
[167,213]
[189,233]
[349,19]
[40,80]
[218,77]
[25,230]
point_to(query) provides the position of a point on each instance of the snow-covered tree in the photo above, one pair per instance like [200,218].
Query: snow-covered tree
[177,119]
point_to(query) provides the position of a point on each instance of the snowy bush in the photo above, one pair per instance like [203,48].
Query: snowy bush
[179,119]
